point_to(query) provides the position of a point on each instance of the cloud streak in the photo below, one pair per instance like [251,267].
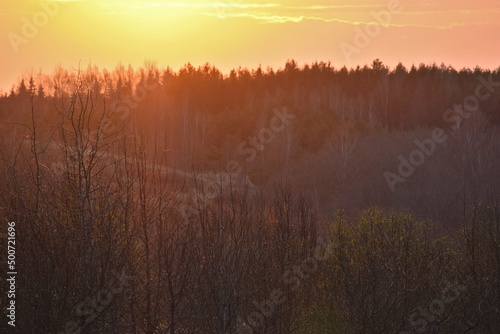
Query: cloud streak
[271,18]
[412,16]
[156,4]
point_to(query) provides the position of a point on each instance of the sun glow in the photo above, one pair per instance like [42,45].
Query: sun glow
[132,31]
[233,33]
[138,17]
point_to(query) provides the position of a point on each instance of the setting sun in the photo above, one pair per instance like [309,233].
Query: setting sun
[233,33]
[250,166]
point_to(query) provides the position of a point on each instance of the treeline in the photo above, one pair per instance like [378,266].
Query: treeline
[346,127]
[157,202]
[102,248]
[373,95]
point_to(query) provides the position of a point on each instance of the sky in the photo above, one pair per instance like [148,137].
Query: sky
[41,35]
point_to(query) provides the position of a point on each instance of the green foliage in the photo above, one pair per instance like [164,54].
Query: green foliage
[113,202]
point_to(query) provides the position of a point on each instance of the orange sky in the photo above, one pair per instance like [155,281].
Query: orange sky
[230,33]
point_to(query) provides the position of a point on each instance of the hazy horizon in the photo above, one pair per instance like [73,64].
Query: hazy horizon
[42,35]
[147,188]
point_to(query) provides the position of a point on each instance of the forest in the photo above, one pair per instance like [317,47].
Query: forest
[299,200]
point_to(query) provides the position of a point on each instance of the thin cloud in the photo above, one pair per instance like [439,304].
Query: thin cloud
[214,5]
[318,7]
[267,18]
[458,11]
[278,13]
